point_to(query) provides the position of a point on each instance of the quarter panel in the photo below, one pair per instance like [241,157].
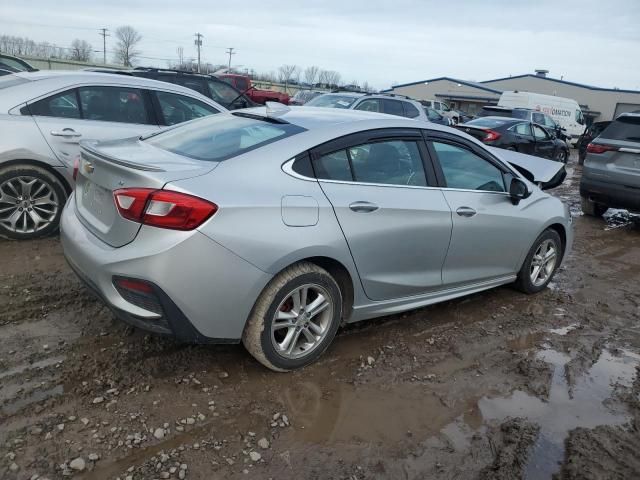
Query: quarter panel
[21,140]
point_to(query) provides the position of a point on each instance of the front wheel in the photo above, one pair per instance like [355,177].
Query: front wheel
[541,263]
[295,318]
[31,202]
[562,156]
[591,208]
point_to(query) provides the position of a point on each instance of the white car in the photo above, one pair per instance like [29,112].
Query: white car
[45,114]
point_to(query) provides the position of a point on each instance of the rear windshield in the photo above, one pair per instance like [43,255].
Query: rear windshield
[488,122]
[332,101]
[623,128]
[219,137]
[11,80]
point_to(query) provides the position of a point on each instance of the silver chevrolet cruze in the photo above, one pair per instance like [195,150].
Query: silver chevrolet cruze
[275,225]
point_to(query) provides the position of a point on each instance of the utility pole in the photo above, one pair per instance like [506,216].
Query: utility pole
[230,51]
[198,43]
[180,51]
[104,44]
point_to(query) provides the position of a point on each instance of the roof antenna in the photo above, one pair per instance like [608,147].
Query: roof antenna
[275,109]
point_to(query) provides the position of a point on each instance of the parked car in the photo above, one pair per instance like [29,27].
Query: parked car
[518,135]
[591,132]
[532,116]
[303,96]
[443,109]
[435,117]
[351,215]
[391,104]
[611,172]
[217,90]
[245,85]
[10,64]
[43,115]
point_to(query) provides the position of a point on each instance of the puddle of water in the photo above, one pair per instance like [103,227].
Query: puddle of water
[562,412]
[30,366]
[34,396]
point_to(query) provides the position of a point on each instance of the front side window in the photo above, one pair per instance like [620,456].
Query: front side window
[113,104]
[393,107]
[539,133]
[432,114]
[61,105]
[179,108]
[464,169]
[220,137]
[370,105]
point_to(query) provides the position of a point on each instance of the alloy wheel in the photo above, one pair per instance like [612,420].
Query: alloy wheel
[27,204]
[302,321]
[543,262]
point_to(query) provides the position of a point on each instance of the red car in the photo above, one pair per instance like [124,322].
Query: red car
[243,83]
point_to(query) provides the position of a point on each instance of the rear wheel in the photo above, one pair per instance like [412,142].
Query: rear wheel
[295,318]
[589,207]
[541,263]
[513,148]
[31,202]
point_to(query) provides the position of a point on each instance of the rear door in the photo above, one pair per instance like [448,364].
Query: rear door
[397,225]
[545,146]
[524,136]
[92,112]
[488,230]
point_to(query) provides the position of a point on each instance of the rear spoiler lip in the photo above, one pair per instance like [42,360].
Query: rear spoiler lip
[89,147]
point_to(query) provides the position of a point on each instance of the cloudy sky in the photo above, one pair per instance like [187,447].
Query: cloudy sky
[383,42]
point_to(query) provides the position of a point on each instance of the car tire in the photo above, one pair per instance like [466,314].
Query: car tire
[37,215]
[268,343]
[531,280]
[591,208]
[562,156]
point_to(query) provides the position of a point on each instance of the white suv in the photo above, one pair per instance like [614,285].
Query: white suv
[390,104]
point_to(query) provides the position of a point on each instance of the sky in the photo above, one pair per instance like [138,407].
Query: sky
[596,42]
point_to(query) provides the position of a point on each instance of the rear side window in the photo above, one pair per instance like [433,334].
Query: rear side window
[538,118]
[219,137]
[334,166]
[625,128]
[62,105]
[180,108]
[410,111]
[465,170]
[196,84]
[369,105]
[113,104]
[393,107]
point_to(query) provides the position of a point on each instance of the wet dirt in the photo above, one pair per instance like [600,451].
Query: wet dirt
[496,385]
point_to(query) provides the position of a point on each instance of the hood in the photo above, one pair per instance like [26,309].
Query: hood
[545,173]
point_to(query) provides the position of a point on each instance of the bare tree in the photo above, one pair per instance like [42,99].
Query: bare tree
[286,73]
[311,74]
[128,37]
[331,78]
[80,50]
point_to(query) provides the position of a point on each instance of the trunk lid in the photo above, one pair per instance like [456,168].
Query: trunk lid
[108,166]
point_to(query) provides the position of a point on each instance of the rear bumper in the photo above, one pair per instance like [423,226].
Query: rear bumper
[206,292]
[610,194]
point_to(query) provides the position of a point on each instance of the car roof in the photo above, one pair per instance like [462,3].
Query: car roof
[502,119]
[43,82]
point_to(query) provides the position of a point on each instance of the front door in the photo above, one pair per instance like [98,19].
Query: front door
[545,145]
[488,230]
[396,225]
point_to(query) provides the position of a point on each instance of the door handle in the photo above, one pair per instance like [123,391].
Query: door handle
[66,132]
[466,212]
[363,207]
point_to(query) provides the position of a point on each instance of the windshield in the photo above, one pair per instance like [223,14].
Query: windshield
[11,80]
[487,122]
[220,137]
[332,101]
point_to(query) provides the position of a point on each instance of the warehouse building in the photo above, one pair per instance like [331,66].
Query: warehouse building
[597,103]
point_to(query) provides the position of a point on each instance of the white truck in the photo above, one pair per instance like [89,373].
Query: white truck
[565,111]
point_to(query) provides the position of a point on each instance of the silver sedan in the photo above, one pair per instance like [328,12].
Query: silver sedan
[45,114]
[273,226]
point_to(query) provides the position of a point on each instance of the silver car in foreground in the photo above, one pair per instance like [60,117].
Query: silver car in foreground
[45,114]
[273,226]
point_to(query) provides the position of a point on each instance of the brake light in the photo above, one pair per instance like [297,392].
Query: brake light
[76,167]
[490,136]
[598,148]
[163,208]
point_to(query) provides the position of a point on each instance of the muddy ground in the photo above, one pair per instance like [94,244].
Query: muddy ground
[498,385]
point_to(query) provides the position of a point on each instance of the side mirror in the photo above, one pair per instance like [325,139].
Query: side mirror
[518,190]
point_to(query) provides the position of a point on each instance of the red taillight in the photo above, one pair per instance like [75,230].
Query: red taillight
[163,208]
[76,167]
[490,136]
[597,148]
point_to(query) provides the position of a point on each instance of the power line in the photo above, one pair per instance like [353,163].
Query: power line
[230,51]
[104,44]
[198,43]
